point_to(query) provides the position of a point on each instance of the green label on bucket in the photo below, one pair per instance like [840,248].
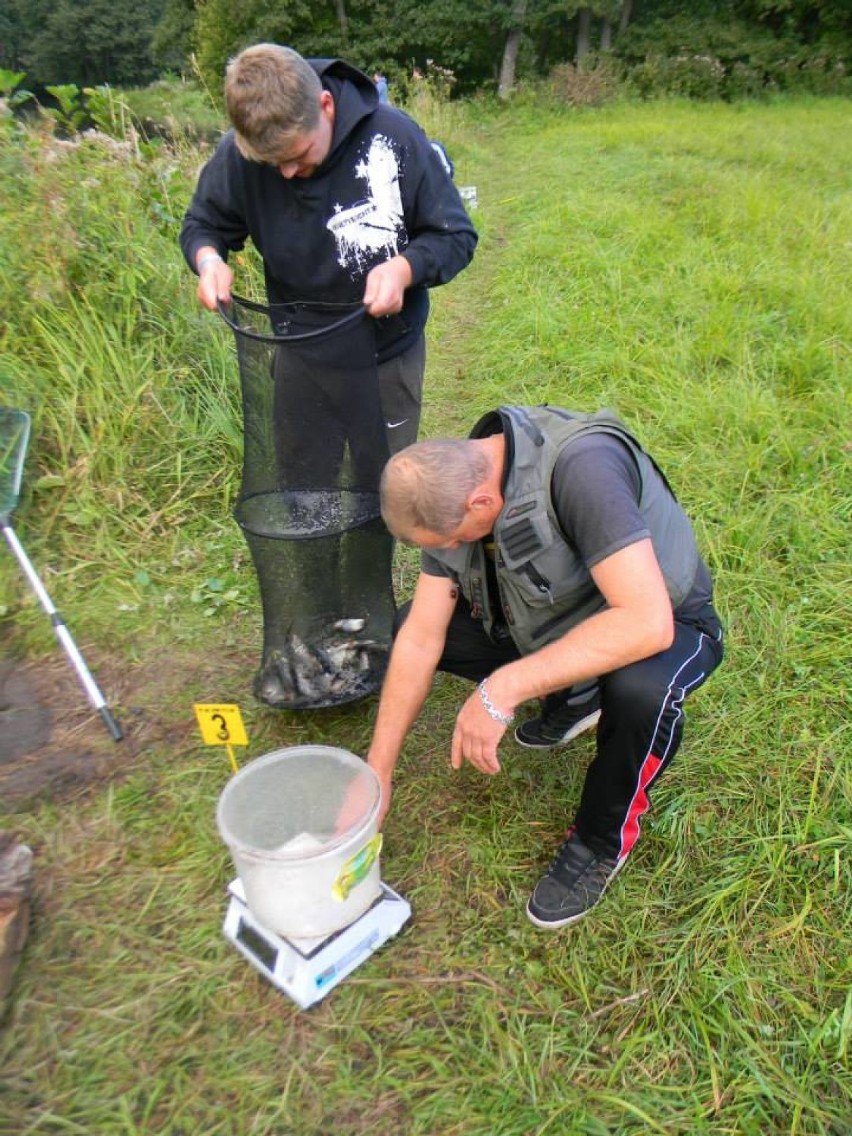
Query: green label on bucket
[356,868]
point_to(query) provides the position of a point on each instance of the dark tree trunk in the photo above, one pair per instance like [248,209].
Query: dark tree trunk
[606,35]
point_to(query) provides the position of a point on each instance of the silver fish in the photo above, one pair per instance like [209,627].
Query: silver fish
[311,677]
[306,672]
[350,626]
[273,683]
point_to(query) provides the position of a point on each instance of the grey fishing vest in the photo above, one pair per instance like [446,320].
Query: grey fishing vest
[545,587]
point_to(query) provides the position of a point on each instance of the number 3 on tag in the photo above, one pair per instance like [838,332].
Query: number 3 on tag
[220,724]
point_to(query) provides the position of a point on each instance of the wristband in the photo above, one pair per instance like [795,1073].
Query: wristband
[208,256]
[491,710]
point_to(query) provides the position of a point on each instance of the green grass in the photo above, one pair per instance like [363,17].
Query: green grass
[688,266]
[178,108]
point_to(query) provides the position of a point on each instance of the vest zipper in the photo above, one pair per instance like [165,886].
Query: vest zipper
[541,584]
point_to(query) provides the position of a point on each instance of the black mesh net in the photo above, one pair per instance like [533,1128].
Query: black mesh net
[314,448]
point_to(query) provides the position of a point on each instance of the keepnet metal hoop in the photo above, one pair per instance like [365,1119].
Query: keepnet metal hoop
[353,314]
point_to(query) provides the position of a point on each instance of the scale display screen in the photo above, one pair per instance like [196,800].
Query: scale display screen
[261,948]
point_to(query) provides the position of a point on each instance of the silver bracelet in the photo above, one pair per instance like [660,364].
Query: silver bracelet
[208,256]
[491,710]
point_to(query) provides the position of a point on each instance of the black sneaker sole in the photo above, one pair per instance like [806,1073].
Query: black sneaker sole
[555,924]
[578,728]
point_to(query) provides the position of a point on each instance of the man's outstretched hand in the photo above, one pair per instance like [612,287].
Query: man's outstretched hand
[476,737]
[356,803]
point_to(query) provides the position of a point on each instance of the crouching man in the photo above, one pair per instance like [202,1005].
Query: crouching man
[556,564]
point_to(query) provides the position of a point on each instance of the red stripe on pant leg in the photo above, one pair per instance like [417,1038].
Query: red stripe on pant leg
[639,804]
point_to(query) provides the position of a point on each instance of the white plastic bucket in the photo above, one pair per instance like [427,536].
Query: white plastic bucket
[301,825]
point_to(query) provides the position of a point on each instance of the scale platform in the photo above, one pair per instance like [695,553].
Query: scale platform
[307,969]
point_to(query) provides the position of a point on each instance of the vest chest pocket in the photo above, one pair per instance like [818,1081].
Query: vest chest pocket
[553,580]
[522,538]
[537,568]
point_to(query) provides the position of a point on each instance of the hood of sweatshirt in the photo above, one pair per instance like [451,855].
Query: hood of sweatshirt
[355,96]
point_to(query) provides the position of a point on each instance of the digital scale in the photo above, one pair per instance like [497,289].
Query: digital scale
[307,969]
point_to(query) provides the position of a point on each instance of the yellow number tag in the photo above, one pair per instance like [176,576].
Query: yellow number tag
[220,725]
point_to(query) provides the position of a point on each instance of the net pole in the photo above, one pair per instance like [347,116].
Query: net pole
[63,635]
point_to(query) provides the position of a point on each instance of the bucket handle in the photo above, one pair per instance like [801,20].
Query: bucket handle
[222,308]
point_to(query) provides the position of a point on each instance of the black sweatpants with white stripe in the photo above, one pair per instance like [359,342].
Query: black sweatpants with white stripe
[641,723]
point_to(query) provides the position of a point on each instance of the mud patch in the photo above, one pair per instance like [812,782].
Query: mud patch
[53,744]
[24,721]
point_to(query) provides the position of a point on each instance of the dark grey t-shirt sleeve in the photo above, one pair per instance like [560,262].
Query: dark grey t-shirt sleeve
[430,566]
[596,491]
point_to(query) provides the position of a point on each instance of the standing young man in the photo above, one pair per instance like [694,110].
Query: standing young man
[557,564]
[345,200]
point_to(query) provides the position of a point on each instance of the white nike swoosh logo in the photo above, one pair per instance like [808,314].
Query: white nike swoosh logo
[393,425]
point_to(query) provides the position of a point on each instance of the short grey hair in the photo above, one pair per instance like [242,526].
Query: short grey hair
[427,485]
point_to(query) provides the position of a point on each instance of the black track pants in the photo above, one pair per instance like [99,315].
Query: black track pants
[641,723]
[639,733]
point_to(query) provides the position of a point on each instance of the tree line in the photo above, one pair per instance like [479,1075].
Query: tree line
[478,45]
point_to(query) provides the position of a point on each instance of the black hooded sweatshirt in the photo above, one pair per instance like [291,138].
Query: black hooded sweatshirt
[380,192]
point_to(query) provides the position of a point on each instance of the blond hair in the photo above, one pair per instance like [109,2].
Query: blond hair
[427,485]
[272,96]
